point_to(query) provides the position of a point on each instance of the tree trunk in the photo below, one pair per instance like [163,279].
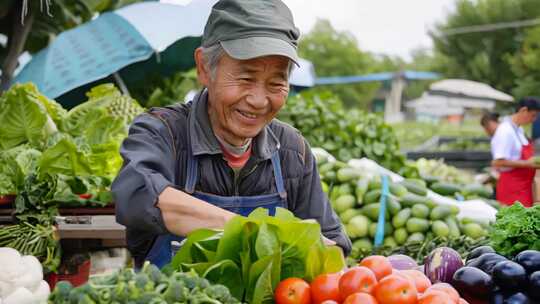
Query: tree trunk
[16,41]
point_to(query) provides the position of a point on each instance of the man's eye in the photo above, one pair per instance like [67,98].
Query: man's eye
[246,78]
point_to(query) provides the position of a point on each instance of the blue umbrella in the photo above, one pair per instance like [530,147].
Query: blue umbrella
[156,36]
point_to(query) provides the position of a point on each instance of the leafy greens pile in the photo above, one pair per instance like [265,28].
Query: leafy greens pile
[51,155]
[345,133]
[516,229]
[149,285]
[253,254]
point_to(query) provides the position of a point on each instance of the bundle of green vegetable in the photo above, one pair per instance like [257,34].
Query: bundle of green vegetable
[343,132]
[33,235]
[149,286]
[49,151]
[517,228]
[410,214]
[253,254]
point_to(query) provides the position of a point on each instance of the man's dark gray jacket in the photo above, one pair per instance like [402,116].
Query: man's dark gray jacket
[155,157]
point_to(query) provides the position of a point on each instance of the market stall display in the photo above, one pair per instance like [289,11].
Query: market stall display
[411,215]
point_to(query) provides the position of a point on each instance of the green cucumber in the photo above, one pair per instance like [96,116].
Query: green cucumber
[372,196]
[393,205]
[398,190]
[416,237]
[441,212]
[420,211]
[411,199]
[453,226]
[344,202]
[400,219]
[414,187]
[347,215]
[390,242]
[348,174]
[401,235]
[439,228]
[446,189]
[417,225]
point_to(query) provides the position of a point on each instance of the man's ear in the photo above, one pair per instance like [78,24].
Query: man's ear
[203,75]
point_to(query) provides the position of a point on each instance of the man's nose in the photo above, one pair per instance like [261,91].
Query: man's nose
[258,97]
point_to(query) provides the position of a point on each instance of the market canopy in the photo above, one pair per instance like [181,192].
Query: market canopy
[468,89]
[165,34]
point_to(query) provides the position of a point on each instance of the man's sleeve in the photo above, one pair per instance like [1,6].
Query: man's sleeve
[501,144]
[149,163]
[313,203]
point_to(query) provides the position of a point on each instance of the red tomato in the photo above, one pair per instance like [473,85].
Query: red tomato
[445,287]
[293,291]
[325,287]
[395,289]
[380,265]
[360,298]
[435,297]
[357,279]
[85,196]
[419,278]
[329,302]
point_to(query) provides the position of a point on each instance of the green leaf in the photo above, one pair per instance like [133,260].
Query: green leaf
[285,215]
[24,118]
[266,282]
[64,158]
[230,246]
[258,214]
[184,254]
[313,263]
[267,242]
[333,260]
[227,273]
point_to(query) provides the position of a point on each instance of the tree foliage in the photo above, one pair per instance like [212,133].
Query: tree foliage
[483,56]
[336,53]
[526,65]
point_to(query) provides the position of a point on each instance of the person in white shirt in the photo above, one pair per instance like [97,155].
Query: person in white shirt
[513,155]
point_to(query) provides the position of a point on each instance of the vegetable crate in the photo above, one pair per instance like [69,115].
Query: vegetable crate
[76,279]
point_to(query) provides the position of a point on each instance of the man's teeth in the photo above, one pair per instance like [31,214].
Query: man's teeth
[248,115]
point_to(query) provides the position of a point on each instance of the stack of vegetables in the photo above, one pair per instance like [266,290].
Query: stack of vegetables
[452,182]
[149,285]
[21,279]
[253,254]
[345,133]
[411,217]
[375,280]
[49,155]
[488,275]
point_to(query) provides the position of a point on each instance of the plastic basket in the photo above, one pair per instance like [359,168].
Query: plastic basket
[76,279]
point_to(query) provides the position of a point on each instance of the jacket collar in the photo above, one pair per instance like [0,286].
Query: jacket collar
[203,140]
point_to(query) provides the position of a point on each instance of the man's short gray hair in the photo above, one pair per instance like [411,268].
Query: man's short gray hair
[213,54]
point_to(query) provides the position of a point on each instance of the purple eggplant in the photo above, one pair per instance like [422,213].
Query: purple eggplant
[441,264]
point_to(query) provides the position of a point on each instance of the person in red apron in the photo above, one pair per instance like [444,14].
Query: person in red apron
[513,155]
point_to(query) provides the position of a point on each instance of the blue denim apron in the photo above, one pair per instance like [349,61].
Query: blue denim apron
[162,251]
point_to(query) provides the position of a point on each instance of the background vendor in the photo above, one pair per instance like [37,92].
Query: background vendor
[513,154]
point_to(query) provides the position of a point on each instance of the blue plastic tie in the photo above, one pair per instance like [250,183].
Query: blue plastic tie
[379,234]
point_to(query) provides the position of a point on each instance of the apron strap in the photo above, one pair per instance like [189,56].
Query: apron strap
[278,176]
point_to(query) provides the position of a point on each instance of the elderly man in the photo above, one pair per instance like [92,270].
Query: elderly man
[197,165]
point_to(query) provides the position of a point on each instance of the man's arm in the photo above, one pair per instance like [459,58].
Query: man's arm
[144,191]
[183,213]
[313,203]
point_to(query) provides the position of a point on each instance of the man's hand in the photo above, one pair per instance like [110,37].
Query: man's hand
[327,241]
[183,213]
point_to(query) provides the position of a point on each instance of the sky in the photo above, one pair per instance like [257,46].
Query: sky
[391,27]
